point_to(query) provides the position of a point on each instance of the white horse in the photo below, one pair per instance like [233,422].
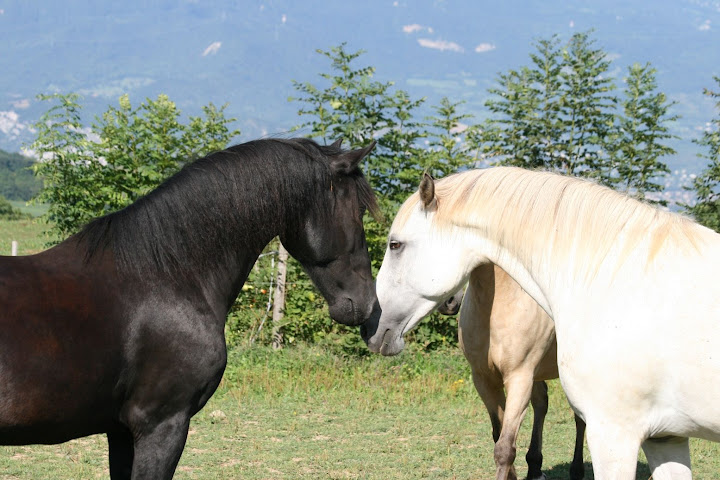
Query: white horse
[633,292]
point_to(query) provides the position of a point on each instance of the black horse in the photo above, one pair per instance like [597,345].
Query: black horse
[119,329]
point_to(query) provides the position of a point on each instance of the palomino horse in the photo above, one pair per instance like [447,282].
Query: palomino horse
[632,291]
[119,329]
[509,342]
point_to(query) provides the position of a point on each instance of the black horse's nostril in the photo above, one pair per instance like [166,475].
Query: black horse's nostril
[369,328]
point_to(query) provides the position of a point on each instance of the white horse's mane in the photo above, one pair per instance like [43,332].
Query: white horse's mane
[570,220]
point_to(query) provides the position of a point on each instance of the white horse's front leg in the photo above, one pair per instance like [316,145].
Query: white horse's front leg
[668,457]
[614,450]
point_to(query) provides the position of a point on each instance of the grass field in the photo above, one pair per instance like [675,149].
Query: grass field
[28,233]
[306,413]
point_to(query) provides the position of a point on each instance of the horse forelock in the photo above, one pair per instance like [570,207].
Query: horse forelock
[544,216]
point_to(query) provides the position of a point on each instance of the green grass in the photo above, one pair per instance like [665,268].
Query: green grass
[28,233]
[305,412]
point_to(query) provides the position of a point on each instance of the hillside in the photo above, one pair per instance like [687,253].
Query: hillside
[17,181]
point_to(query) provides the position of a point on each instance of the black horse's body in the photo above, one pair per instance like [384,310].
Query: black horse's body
[119,329]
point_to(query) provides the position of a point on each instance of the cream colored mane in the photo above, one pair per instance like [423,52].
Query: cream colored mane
[537,215]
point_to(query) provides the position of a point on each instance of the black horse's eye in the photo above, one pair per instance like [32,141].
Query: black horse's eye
[394,245]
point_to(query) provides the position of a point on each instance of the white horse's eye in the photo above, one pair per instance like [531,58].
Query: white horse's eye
[394,245]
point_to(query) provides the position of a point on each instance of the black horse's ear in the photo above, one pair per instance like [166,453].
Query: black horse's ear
[337,143]
[427,190]
[348,161]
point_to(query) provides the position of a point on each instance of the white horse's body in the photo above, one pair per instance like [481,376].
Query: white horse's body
[633,291]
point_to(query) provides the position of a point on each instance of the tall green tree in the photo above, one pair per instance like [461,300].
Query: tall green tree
[509,135]
[706,186]
[351,105]
[555,113]
[91,171]
[448,148]
[586,107]
[392,168]
[638,142]
[526,128]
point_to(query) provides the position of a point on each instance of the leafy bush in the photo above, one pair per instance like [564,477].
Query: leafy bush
[130,152]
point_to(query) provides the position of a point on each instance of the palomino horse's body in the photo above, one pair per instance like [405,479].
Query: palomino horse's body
[632,290]
[120,329]
[510,344]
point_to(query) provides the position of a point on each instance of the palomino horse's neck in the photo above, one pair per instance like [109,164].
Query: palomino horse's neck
[535,281]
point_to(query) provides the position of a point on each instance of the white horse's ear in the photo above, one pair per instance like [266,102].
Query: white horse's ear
[427,190]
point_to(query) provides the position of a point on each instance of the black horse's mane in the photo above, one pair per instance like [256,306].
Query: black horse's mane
[217,205]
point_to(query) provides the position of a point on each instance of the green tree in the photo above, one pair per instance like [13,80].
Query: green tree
[449,150]
[509,135]
[706,186]
[554,113]
[349,107]
[135,149]
[586,107]
[142,146]
[641,128]
[526,129]
[67,166]
[354,107]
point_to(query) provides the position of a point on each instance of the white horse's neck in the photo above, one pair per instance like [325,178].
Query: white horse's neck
[537,282]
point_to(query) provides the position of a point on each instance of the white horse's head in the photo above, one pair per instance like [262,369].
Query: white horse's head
[424,265]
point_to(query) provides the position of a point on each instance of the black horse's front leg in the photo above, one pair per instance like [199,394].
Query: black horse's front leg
[157,450]
[120,443]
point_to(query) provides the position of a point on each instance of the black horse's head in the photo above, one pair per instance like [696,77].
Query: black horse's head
[329,241]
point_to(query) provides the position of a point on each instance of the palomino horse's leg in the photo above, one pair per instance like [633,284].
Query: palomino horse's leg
[668,457]
[534,458]
[493,396]
[157,451]
[577,468]
[614,450]
[519,388]
[120,443]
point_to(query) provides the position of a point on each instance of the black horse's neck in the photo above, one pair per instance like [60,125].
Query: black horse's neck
[207,224]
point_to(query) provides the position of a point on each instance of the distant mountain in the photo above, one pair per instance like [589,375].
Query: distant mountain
[247,53]
[16,179]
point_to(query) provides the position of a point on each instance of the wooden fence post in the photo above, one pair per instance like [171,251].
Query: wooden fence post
[14,248]
[279,299]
